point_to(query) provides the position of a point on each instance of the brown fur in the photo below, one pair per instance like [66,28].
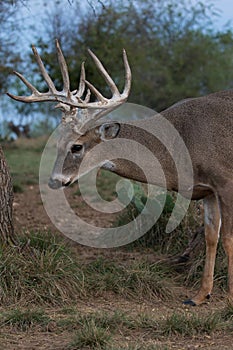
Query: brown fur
[206,126]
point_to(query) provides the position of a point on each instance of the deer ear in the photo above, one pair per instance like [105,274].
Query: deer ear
[108,131]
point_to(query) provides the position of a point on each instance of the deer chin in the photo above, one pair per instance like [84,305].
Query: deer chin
[109,165]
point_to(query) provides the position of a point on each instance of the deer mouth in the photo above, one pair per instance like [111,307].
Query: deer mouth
[66,184]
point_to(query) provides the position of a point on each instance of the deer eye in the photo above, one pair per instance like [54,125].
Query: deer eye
[76,148]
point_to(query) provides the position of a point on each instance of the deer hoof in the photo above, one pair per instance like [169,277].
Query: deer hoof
[189,302]
[193,303]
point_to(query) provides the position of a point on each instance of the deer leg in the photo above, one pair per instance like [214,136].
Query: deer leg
[212,228]
[227,236]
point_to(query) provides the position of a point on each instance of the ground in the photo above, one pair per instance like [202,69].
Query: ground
[144,323]
[30,214]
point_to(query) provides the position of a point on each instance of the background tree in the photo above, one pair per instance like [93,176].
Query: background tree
[8,57]
[6,203]
[173,48]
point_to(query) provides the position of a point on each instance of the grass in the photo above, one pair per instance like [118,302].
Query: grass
[91,327]
[90,335]
[137,280]
[189,325]
[100,330]
[227,313]
[143,346]
[44,274]
[23,157]
[109,320]
[117,330]
[48,272]
[22,320]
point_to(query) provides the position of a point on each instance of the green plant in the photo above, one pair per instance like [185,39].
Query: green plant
[227,313]
[17,188]
[68,323]
[189,324]
[24,319]
[48,272]
[140,279]
[156,237]
[90,335]
[45,272]
[108,320]
[146,322]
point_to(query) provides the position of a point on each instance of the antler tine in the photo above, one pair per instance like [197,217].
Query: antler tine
[81,88]
[78,93]
[88,96]
[35,92]
[27,83]
[128,74]
[99,96]
[76,98]
[43,71]
[64,69]
[105,74]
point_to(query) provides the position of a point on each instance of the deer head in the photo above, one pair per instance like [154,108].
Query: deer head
[78,130]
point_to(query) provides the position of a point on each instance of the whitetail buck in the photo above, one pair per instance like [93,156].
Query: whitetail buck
[205,124]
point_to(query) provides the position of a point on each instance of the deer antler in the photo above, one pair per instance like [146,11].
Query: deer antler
[74,98]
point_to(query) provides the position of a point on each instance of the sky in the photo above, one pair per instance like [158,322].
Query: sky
[226,14]
[37,8]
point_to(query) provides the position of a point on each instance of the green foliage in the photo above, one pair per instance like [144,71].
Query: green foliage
[8,38]
[156,237]
[173,48]
[140,199]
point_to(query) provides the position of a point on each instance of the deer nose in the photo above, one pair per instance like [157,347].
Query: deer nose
[56,183]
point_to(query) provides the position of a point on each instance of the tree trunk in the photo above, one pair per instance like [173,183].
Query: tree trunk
[6,203]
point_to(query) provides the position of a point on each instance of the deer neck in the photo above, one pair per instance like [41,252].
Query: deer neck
[150,161]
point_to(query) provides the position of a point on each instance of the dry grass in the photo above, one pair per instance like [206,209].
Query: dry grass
[49,273]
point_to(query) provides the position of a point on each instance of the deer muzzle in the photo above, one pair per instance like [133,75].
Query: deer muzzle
[55,184]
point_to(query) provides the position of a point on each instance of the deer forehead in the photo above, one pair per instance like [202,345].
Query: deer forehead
[90,136]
